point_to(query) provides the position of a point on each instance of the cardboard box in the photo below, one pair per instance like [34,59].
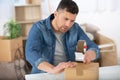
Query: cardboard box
[25,29]
[8,48]
[34,1]
[83,72]
[108,54]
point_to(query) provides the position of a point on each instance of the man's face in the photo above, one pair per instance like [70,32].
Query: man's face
[64,20]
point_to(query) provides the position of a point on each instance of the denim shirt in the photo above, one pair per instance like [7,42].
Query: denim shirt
[40,45]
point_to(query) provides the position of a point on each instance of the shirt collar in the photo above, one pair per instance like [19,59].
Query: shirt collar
[48,21]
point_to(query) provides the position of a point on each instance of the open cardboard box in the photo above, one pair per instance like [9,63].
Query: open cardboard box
[8,48]
[108,54]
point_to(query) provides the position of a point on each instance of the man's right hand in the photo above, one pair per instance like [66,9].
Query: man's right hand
[47,67]
[61,66]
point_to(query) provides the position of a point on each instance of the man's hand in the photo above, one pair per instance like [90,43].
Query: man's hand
[61,66]
[47,67]
[89,56]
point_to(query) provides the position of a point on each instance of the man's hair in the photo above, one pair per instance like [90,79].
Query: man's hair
[69,6]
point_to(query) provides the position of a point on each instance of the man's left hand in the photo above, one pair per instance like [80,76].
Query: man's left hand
[89,56]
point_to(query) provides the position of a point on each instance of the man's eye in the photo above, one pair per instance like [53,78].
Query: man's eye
[66,19]
[72,21]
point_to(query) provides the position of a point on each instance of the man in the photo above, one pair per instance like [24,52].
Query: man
[51,43]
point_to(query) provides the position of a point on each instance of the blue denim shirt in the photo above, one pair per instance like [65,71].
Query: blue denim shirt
[40,45]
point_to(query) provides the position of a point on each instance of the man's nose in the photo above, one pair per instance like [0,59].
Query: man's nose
[68,23]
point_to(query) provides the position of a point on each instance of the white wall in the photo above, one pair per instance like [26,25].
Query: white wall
[6,13]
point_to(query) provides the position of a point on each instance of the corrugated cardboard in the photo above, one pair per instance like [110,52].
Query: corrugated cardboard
[83,72]
[8,48]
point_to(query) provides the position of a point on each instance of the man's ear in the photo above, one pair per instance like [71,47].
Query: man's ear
[56,13]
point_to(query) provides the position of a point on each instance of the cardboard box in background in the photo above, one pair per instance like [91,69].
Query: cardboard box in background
[8,48]
[108,54]
[83,72]
[34,2]
[25,29]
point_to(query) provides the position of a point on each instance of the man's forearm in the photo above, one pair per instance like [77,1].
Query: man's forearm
[45,66]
